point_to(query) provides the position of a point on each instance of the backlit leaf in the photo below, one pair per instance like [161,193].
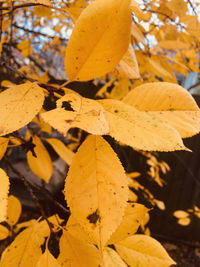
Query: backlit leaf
[128,66]
[180,214]
[47,260]
[75,253]
[14,210]
[3,146]
[42,164]
[96,189]
[15,108]
[184,221]
[112,259]
[139,130]
[65,153]
[5,184]
[168,102]
[143,251]
[99,39]
[87,114]
[133,216]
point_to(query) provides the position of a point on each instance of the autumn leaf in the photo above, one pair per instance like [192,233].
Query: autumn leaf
[99,39]
[168,102]
[41,165]
[74,252]
[65,153]
[96,189]
[14,210]
[112,259]
[25,250]
[85,113]
[47,260]
[3,146]
[5,184]
[139,130]
[4,233]
[144,251]
[15,108]
[133,216]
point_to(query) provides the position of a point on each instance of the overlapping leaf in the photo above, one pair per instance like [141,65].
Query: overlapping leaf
[25,250]
[47,260]
[3,146]
[16,110]
[144,251]
[88,115]
[96,189]
[112,259]
[74,252]
[168,102]
[133,217]
[41,165]
[99,39]
[139,130]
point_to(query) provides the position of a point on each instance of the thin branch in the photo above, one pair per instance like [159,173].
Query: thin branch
[37,33]
[193,9]
[193,86]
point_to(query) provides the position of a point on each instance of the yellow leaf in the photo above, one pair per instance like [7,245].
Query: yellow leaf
[180,214]
[144,251]
[99,39]
[25,47]
[65,153]
[173,45]
[3,146]
[112,259]
[157,68]
[76,230]
[96,189]
[160,204]
[137,33]
[120,89]
[178,6]
[42,2]
[47,260]
[88,115]
[133,216]
[139,130]
[128,66]
[4,233]
[168,102]
[184,221]
[5,184]
[14,210]
[25,250]
[42,164]
[15,108]
[75,253]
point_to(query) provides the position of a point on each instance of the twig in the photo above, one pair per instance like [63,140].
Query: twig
[193,86]
[190,3]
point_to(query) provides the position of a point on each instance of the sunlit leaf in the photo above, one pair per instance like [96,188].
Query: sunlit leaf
[144,251]
[168,102]
[180,214]
[16,110]
[99,39]
[47,260]
[74,252]
[133,216]
[3,146]
[112,259]
[139,130]
[4,233]
[96,189]
[86,114]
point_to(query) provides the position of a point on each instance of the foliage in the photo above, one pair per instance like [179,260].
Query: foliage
[137,101]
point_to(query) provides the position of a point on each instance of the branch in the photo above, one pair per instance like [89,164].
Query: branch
[190,3]
[193,86]
[37,33]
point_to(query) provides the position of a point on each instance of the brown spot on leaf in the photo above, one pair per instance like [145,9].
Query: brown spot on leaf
[93,217]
